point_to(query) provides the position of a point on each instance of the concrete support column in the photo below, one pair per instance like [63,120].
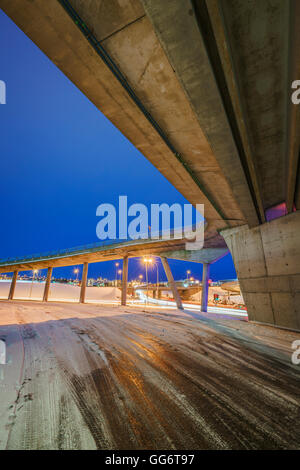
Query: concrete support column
[83,282]
[267,263]
[172,283]
[124,280]
[47,285]
[13,286]
[205,285]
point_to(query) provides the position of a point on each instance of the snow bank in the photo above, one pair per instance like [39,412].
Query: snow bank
[223,295]
[35,290]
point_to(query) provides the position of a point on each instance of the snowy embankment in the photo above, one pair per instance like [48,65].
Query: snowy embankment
[191,307]
[230,297]
[34,290]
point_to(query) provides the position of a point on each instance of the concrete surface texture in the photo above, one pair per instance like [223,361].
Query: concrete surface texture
[87,377]
[267,260]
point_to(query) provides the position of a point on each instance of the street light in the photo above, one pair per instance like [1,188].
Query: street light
[76,271]
[35,271]
[188,272]
[157,278]
[198,283]
[116,265]
[120,272]
[147,261]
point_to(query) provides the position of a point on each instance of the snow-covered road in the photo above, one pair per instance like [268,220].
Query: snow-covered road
[90,376]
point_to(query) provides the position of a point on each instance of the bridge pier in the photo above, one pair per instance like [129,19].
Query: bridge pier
[13,286]
[47,285]
[267,262]
[83,282]
[172,283]
[124,281]
[205,286]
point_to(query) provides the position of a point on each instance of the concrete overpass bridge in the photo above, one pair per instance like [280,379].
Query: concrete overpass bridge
[203,89]
[213,249]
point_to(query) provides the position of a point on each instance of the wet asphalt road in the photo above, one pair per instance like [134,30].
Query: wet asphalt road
[91,377]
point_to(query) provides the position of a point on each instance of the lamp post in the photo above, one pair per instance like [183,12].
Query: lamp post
[119,272]
[198,283]
[35,271]
[188,272]
[116,274]
[147,261]
[157,276]
[76,271]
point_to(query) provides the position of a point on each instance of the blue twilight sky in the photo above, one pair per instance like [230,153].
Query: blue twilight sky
[60,158]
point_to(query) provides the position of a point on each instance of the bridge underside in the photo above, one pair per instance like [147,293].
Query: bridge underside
[202,88]
[214,248]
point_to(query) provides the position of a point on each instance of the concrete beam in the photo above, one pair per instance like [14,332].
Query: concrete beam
[124,280]
[182,34]
[205,287]
[83,282]
[172,283]
[230,67]
[47,284]
[258,33]
[13,286]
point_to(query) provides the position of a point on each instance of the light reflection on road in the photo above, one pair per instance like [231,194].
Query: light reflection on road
[193,307]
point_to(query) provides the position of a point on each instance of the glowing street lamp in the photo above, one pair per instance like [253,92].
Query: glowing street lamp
[76,271]
[147,261]
[157,277]
[116,272]
[35,271]
[119,273]
[200,290]
[188,272]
